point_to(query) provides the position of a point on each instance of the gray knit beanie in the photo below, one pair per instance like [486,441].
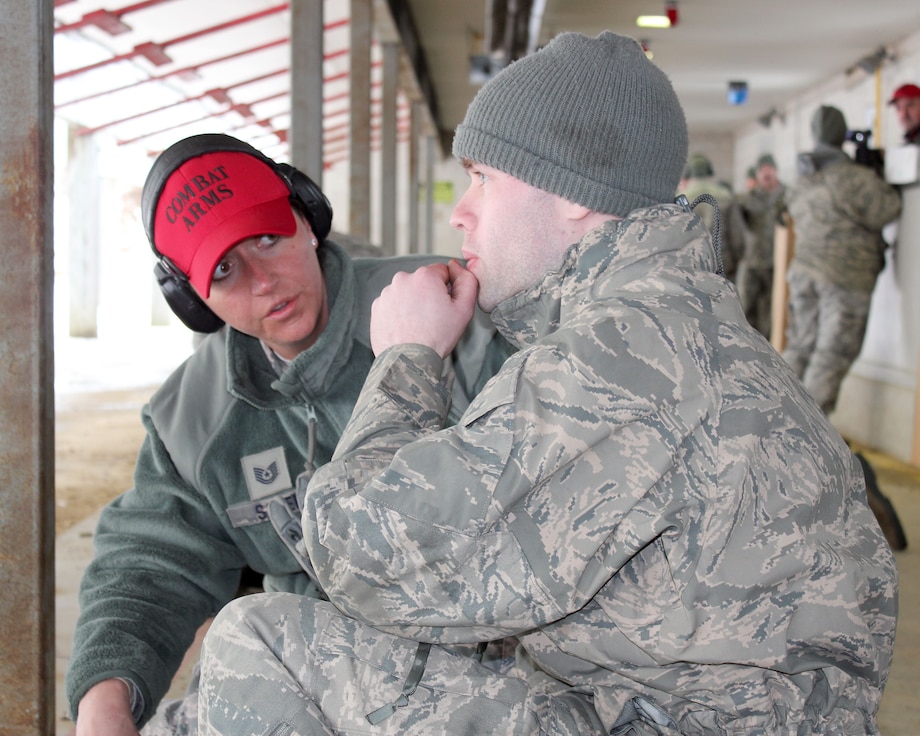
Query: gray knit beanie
[589,119]
[829,126]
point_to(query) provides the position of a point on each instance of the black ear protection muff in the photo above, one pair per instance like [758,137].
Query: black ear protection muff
[306,197]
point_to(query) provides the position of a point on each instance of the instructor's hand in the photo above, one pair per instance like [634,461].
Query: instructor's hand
[431,306]
[105,710]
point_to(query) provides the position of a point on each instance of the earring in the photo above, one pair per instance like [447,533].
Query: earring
[315,244]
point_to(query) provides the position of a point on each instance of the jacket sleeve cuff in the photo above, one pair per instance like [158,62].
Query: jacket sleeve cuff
[405,391]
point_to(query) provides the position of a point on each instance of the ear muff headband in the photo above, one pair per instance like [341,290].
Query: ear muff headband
[178,292]
[316,206]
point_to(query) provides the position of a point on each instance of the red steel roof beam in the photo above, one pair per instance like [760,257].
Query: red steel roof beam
[87,131]
[106,19]
[190,70]
[156,52]
[197,120]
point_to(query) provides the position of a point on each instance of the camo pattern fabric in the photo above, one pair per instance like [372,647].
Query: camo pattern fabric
[827,325]
[645,495]
[838,213]
[309,669]
[179,716]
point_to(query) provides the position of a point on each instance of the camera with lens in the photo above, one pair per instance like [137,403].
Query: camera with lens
[874,158]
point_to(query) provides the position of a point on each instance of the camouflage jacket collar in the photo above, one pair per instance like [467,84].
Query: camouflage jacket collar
[624,251]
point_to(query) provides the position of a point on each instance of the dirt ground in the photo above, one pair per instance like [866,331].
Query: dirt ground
[97,437]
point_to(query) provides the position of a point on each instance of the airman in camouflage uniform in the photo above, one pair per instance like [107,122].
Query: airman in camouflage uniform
[838,208]
[644,496]
[760,209]
[699,178]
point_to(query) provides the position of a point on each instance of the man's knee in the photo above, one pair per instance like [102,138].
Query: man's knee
[256,616]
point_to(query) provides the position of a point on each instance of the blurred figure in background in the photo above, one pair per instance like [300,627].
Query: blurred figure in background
[750,178]
[906,102]
[760,210]
[700,178]
[838,208]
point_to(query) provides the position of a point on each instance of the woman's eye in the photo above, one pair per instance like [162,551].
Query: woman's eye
[267,241]
[222,271]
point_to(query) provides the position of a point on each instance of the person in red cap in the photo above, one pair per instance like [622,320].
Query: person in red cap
[243,252]
[906,102]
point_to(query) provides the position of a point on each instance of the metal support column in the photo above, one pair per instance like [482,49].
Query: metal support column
[388,172]
[359,181]
[307,46]
[83,251]
[430,152]
[26,356]
[415,116]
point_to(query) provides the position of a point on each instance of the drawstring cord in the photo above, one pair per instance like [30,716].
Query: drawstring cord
[716,223]
[412,681]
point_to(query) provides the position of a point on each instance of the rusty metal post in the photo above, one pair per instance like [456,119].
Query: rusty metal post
[415,116]
[359,84]
[26,370]
[389,179]
[307,47]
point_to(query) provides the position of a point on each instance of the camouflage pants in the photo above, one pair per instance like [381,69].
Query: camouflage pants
[825,334]
[176,717]
[755,289]
[289,665]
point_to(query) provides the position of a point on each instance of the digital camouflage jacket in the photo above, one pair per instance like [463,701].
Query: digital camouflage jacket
[839,208]
[760,210]
[645,496]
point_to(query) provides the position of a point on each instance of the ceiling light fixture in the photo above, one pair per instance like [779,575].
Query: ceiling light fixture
[653,21]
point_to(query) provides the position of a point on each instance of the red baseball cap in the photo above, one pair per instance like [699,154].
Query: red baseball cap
[212,202]
[905,91]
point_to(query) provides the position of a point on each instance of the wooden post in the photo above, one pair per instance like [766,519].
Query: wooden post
[783,247]
[915,442]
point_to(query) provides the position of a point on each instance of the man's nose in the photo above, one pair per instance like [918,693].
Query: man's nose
[460,217]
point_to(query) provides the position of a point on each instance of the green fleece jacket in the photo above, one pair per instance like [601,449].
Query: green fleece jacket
[225,436]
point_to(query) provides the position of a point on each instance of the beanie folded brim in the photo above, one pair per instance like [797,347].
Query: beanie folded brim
[550,176]
[589,119]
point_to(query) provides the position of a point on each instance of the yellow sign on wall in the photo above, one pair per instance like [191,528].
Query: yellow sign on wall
[442,192]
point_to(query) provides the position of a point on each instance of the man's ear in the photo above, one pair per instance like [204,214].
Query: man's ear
[583,219]
[573,211]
